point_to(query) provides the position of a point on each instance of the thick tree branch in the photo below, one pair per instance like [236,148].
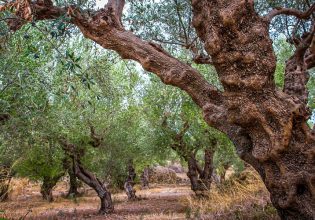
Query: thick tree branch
[296,72]
[118,6]
[233,36]
[310,55]
[96,140]
[291,12]
[179,136]
[104,28]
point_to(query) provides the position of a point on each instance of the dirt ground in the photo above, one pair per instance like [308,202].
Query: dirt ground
[237,201]
[160,202]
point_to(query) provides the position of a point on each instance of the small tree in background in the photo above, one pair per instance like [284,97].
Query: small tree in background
[42,162]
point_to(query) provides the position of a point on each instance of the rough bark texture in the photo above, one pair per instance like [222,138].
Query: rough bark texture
[274,137]
[267,126]
[89,178]
[130,182]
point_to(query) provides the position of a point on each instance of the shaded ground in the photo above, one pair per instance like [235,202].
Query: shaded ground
[161,202]
[246,199]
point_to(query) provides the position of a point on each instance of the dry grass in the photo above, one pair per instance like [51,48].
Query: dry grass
[17,187]
[240,197]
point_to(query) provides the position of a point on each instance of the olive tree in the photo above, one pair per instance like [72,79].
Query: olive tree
[268,126]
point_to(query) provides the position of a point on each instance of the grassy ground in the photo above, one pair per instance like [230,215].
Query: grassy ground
[239,198]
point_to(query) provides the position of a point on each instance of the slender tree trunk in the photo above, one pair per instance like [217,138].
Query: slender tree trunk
[145,178]
[193,176]
[200,179]
[91,180]
[206,175]
[130,182]
[47,187]
[73,184]
[222,176]
[46,191]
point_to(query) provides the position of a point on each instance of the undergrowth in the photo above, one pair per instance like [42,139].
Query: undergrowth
[243,196]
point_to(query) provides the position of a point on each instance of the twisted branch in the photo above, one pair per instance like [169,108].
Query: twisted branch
[291,12]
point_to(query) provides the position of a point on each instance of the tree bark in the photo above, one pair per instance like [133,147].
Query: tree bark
[201,179]
[267,126]
[47,187]
[130,182]
[91,180]
[145,178]
[88,178]
[73,183]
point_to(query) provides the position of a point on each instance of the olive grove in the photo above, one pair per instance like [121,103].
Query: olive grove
[268,125]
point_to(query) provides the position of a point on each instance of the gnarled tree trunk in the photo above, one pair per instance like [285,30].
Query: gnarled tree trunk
[130,182]
[267,126]
[200,178]
[89,178]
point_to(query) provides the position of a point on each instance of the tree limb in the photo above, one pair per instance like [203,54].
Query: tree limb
[103,28]
[118,6]
[181,133]
[181,21]
[291,12]
[96,140]
[296,71]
